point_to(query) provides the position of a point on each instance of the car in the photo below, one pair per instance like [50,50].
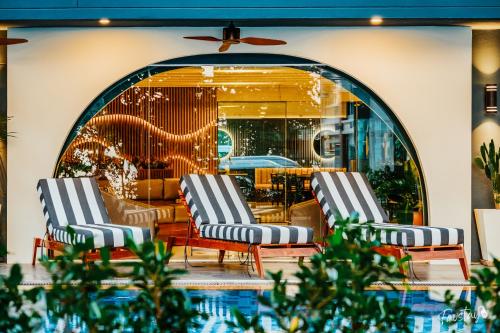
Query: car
[253,162]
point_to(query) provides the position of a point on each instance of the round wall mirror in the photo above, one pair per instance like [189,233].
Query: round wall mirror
[224,144]
[324,144]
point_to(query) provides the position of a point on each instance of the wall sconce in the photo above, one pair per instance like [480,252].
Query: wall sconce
[490,98]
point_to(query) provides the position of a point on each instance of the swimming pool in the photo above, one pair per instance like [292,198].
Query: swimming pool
[427,307]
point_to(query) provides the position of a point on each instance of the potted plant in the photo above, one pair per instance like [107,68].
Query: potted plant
[405,208]
[331,293]
[489,161]
[398,193]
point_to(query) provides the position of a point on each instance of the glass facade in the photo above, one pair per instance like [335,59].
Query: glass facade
[270,126]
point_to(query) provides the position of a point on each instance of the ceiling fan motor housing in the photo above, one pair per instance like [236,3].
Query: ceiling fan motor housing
[230,33]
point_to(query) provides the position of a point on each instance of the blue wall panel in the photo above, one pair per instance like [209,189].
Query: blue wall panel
[38,4]
[246,10]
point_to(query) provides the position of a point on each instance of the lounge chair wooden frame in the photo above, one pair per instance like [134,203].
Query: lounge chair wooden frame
[93,255]
[417,253]
[258,251]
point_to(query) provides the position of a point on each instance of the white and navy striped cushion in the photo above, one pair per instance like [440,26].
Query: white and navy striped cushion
[409,236]
[345,193]
[258,233]
[215,199]
[78,202]
[102,235]
[73,201]
[221,212]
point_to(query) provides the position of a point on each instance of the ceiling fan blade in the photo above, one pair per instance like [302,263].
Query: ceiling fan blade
[12,41]
[262,41]
[205,38]
[224,47]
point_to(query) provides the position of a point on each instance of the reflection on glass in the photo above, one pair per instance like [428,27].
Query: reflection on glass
[326,145]
[224,144]
[270,127]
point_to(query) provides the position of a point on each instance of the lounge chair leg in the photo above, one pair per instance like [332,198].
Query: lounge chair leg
[258,261]
[396,252]
[403,270]
[464,265]
[37,242]
[170,245]
[402,266]
[221,256]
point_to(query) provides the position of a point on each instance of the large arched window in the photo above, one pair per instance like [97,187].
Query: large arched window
[269,120]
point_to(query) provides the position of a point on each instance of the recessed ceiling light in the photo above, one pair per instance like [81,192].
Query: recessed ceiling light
[104,21]
[493,25]
[376,20]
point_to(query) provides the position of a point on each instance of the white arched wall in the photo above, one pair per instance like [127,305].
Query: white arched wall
[422,73]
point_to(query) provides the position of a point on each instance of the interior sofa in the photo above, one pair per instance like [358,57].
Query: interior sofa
[307,214]
[162,195]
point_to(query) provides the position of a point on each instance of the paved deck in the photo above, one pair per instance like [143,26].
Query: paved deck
[205,272]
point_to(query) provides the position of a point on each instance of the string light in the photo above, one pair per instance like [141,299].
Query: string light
[153,130]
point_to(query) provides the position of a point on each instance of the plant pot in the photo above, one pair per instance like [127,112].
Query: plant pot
[496,200]
[418,218]
[404,216]
[488,229]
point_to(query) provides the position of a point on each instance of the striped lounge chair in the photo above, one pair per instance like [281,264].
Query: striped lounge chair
[221,219]
[77,202]
[347,192]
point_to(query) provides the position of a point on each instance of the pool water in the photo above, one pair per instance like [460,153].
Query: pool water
[427,308]
[428,313]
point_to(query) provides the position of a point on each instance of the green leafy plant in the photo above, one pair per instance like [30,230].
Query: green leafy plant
[20,310]
[332,292]
[4,133]
[77,290]
[76,169]
[397,191]
[486,283]
[489,161]
[159,307]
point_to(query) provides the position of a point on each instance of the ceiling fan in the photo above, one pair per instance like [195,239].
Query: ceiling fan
[12,41]
[231,36]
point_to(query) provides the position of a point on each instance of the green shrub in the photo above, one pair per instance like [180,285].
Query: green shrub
[332,291]
[486,283]
[20,310]
[77,290]
[169,309]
